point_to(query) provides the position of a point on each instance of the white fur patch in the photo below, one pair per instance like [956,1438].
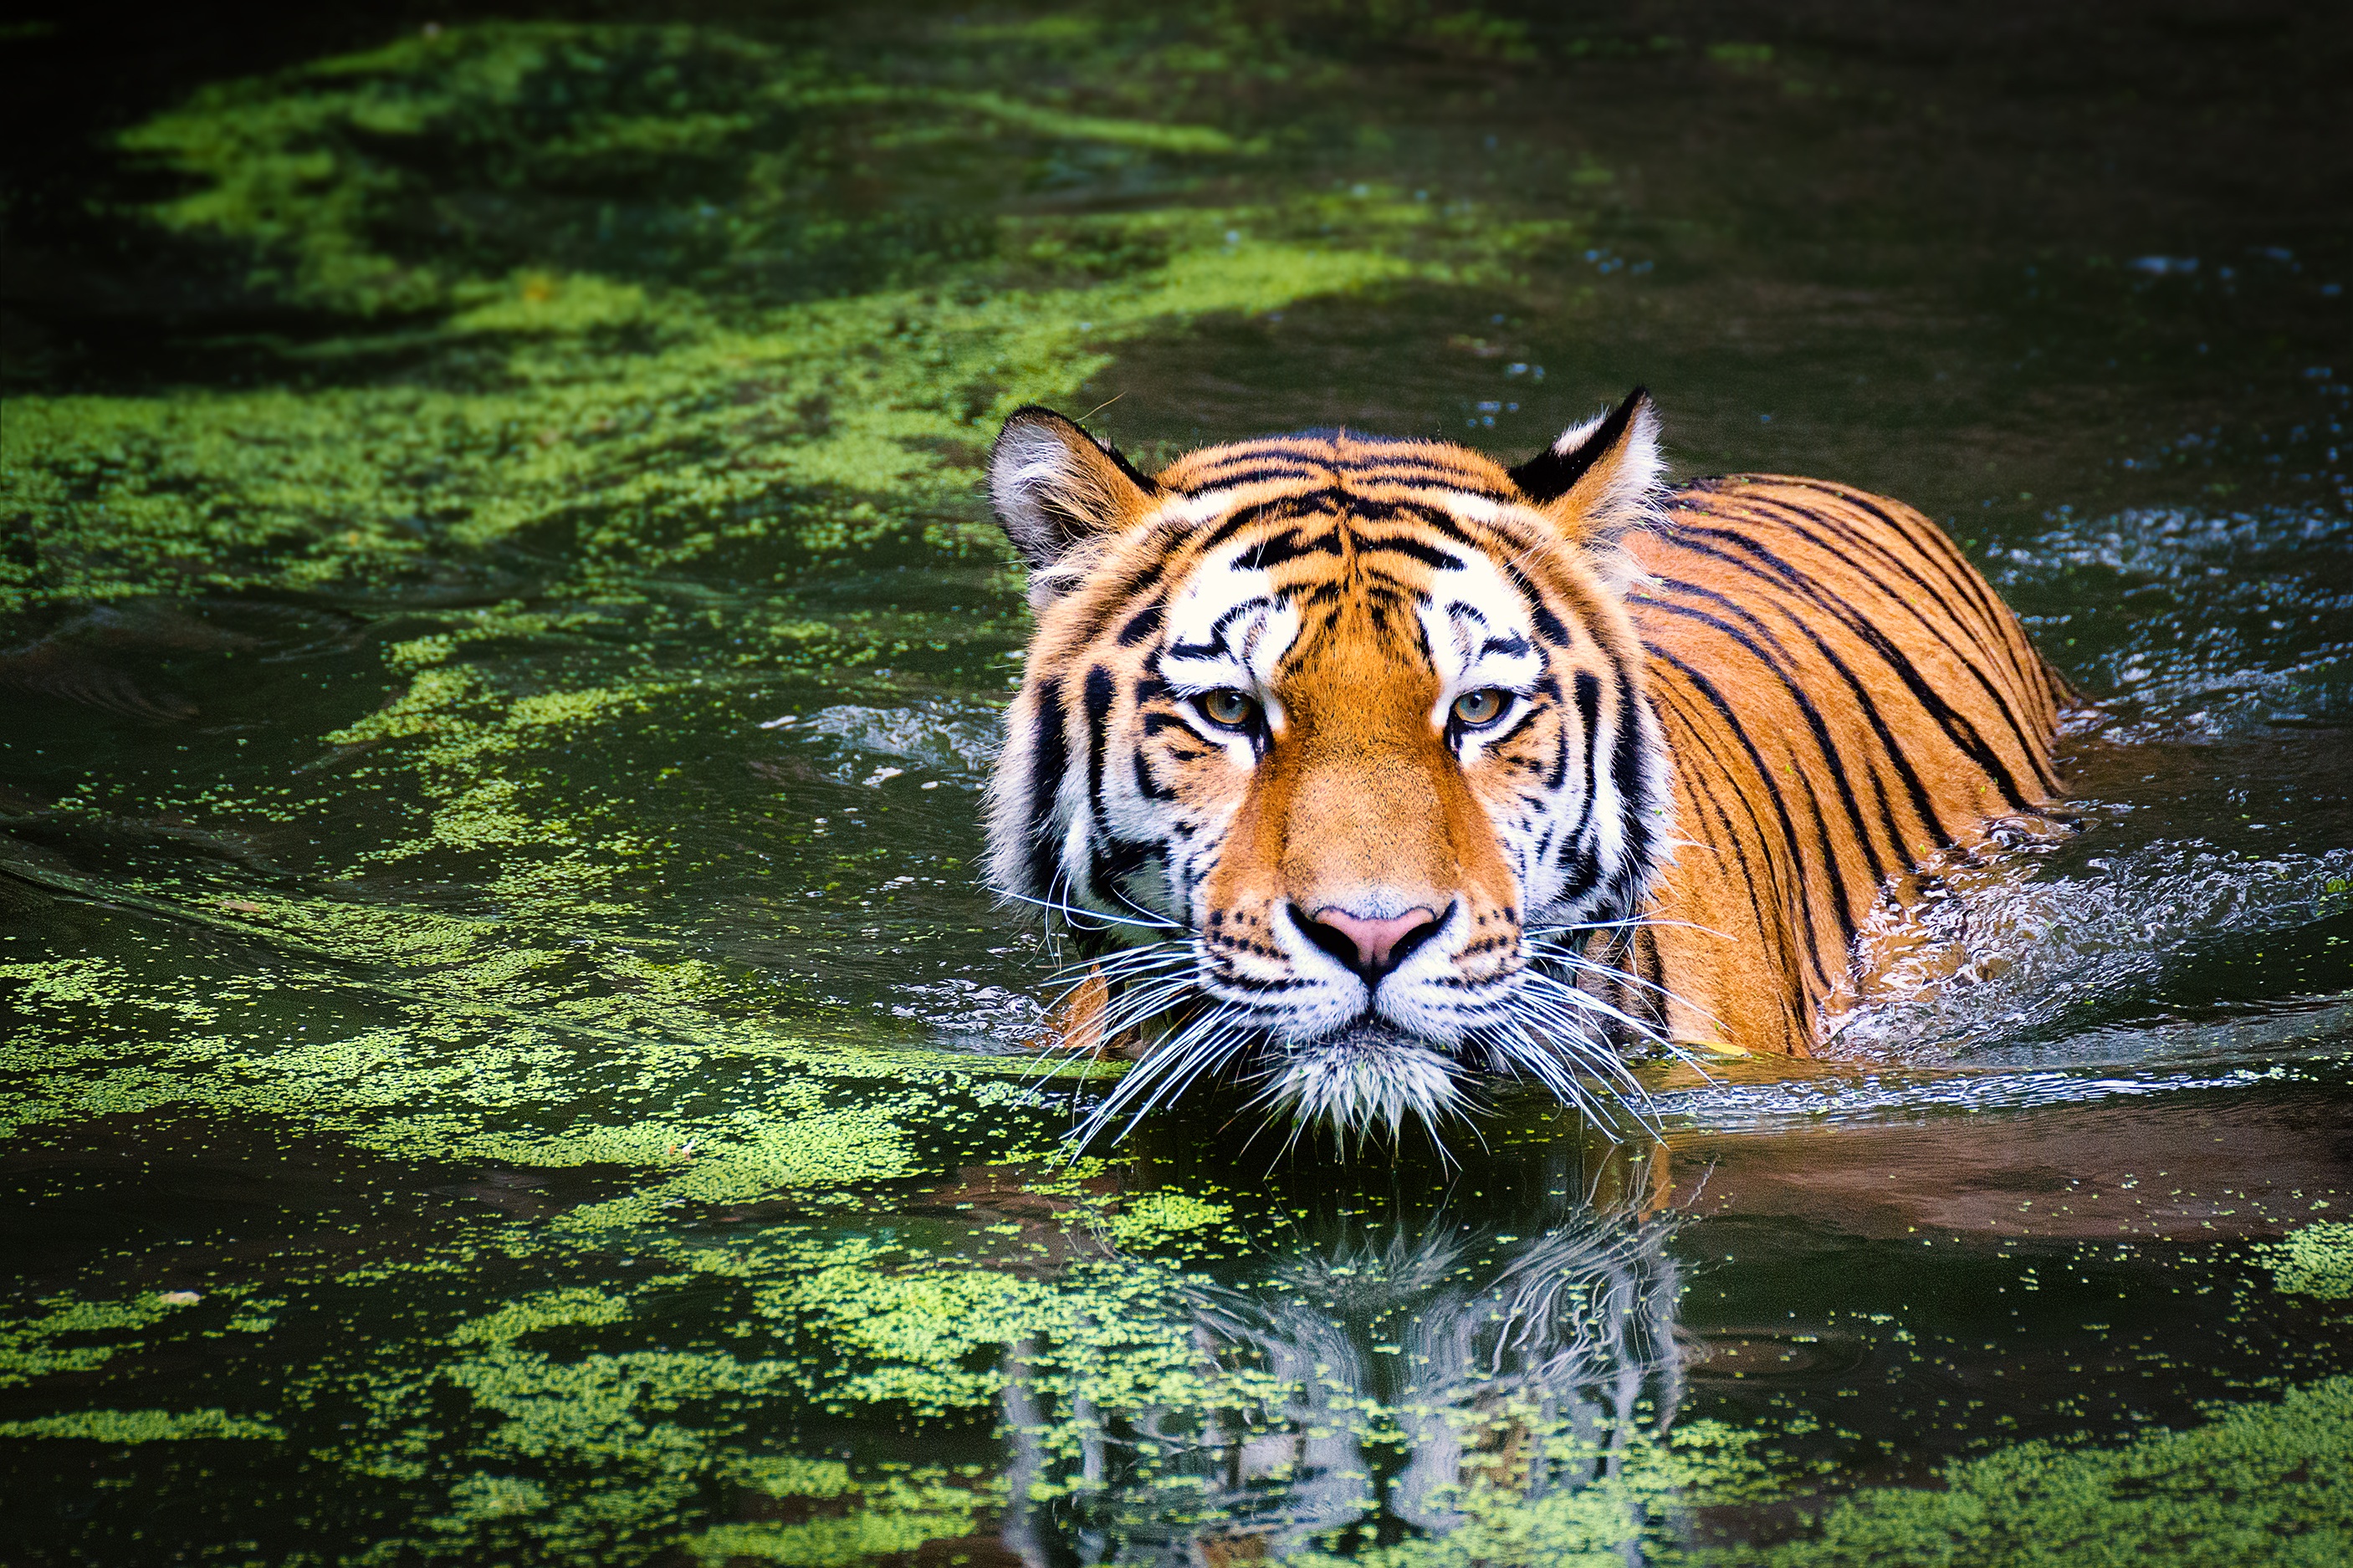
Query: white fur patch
[1228,629]
[1366,1077]
[1480,636]
[1634,480]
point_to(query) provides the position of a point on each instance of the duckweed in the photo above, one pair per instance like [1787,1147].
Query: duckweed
[2316,1260]
[2262,1482]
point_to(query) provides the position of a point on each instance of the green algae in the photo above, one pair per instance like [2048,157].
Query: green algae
[143,1426]
[30,1347]
[887,1522]
[585,1420]
[593,396]
[502,1031]
[701,446]
[2268,1483]
[553,1309]
[2315,1260]
[418,174]
[1154,1217]
[510,1095]
[1636,1502]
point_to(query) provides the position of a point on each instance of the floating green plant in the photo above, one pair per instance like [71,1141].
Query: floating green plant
[2315,1260]
[2260,1482]
[555,214]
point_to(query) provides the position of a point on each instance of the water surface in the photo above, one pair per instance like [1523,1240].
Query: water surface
[499,642]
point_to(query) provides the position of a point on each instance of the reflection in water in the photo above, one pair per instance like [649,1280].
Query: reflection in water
[1385,1381]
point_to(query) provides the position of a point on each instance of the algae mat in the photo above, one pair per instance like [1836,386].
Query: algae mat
[505,1059]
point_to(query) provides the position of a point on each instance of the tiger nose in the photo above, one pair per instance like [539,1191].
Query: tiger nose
[1369,948]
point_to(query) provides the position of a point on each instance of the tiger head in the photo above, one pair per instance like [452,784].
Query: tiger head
[1331,748]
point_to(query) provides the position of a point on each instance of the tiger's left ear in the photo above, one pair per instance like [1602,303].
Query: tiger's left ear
[1601,477]
[1056,487]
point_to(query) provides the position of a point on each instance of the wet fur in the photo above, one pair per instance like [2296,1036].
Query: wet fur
[1739,708]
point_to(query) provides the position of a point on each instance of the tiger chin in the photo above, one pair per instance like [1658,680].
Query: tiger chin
[1365,770]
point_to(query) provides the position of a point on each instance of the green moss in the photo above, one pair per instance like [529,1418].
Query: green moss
[2317,1261]
[1152,1217]
[863,1536]
[30,1348]
[690,448]
[1580,1502]
[346,175]
[554,213]
[142,1427]
[553,1309]
[2261,1483]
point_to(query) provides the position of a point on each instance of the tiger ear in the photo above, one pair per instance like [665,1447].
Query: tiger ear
[1054,486]
[1601,477]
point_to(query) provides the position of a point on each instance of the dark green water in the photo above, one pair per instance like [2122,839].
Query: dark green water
[505,1061]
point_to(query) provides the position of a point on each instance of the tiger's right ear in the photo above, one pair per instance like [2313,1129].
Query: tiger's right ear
[1601,480]
[1055,487]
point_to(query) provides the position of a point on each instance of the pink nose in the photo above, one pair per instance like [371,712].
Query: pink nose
[1370,947]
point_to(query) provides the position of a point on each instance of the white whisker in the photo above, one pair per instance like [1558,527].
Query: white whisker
[1080,916]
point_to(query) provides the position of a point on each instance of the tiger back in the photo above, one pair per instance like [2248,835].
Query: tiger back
[1843,697]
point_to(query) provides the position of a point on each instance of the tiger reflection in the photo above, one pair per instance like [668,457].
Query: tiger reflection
[1481,1349]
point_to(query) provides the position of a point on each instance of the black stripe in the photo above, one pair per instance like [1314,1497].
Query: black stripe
[1287,546]
[1957,726]
[1706,688]
[1145,622]
[1772,653]
[1218,632]
[1224,479]
[1652,971]
[1397,544]
[1995,615]
[1846,909]
[1549,626]
[1587,689]
[1110,604]
[1989,616]
[1050,758]
[1099,691]
[1633,793]
[1890,746]
[1778,931]
[1977,666]
[1145,784]
[1588,708]
[1438,519]
[1282,509]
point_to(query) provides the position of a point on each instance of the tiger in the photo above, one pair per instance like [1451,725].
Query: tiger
[1364,770]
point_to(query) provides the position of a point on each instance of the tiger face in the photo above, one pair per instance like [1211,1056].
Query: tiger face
[1342,744]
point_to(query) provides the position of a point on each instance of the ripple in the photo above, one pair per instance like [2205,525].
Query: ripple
[955,740]
[1977,956]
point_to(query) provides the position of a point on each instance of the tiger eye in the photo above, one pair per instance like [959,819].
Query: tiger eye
[1230,709]
[1480,707]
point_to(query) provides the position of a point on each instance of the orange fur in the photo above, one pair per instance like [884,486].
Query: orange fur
[1765,917]
[1787,694]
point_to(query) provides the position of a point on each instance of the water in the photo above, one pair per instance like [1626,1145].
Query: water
[505,1061]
